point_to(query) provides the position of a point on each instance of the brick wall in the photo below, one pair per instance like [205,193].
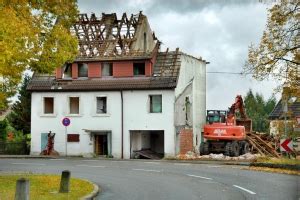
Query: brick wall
[186,141]
[94,70]
[122,69]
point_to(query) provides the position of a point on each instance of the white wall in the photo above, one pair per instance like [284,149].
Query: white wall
[87,119]
[136,117]
[193,71]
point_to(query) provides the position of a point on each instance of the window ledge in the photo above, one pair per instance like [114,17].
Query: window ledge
[73,115]
[102,115]
[48,115]
[155,112]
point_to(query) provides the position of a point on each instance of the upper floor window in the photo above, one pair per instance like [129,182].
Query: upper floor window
[101,105]
[155,103]
[107,69]
[82,70]
[74,105]
[48,105]
[138,69]
[67,70]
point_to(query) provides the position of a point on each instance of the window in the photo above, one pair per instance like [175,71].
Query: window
[73,137]
[155,103]
[101,105]
[48,105]
[67,71]
[138,69]
[107,69]
[82,70]
[74,105]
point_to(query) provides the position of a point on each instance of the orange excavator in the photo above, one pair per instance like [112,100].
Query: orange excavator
[225,132]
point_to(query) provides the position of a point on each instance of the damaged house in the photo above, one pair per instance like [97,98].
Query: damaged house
[124,97]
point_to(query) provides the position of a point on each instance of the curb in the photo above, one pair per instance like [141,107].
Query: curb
[215,161]
[280,166]
[93,194]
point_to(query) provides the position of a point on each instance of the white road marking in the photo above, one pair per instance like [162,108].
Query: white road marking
[39,164]
[199,177]
[186,164]
[57,159]
[214,166]
[156,163]
[146,170]
[246,190]
[90,160]
[101,166]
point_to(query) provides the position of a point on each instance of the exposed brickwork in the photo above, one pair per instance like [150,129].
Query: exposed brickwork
[94,69]
[122,69]
[74,70]
[186,141]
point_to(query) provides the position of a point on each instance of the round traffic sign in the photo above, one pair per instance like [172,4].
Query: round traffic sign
[66,121]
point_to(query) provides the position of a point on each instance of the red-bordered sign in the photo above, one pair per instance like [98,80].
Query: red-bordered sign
[66,121]
[286,145]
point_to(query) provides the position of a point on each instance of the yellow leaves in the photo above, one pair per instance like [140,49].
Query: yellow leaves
[277,54]
[30,38]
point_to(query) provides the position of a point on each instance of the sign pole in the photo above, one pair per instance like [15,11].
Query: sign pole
[66,122]
[66,134]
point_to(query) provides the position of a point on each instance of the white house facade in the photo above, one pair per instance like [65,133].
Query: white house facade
[124,98]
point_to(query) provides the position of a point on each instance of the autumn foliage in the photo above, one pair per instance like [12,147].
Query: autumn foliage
[278,54]
[34,35]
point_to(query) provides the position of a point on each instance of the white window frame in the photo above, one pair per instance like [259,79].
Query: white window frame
[94,111]
[149,104]
[68,106]
[43,114]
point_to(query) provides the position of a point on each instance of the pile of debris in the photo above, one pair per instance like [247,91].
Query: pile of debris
[263,144]
[193,156]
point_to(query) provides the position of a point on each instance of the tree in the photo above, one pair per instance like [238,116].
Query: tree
[258,110]
[278,54]
[34,35]
[3,126]
[20,116]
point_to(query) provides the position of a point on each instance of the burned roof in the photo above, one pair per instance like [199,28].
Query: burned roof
[293,110]
[108,37]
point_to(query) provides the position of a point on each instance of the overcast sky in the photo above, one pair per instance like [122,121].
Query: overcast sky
[219,31]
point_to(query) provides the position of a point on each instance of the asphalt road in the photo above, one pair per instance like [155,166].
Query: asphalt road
[157,180]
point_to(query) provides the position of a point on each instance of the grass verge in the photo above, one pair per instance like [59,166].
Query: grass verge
[283,161]
[275,170]
[44,187]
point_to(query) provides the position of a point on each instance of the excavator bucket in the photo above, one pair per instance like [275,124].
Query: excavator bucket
[247,123]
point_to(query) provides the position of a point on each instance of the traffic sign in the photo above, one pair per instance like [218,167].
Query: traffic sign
[66,121]
[286,145]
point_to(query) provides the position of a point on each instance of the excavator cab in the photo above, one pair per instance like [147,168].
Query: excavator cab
[216,116]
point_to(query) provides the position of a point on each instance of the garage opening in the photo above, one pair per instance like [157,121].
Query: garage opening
[147,144]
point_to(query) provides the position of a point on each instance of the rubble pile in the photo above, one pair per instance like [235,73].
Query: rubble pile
[193,156]
[263,144]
